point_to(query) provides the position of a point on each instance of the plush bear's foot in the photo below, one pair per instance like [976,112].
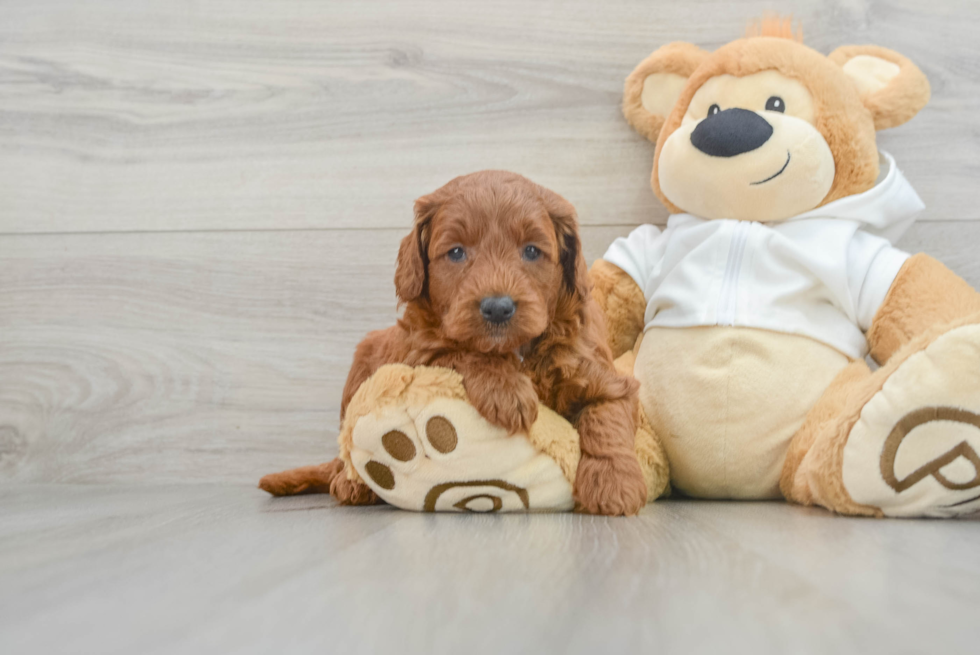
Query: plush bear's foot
[443,456]
[915,450]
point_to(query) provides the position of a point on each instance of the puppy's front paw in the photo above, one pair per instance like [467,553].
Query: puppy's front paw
[510,403]
[613,486]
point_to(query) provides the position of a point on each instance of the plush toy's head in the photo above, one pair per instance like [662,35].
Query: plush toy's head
[765,128]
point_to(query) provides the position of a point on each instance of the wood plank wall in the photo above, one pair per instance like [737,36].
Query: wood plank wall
[200,203]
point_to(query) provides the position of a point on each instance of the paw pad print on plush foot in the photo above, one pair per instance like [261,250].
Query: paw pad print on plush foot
[914,450]
[443,456]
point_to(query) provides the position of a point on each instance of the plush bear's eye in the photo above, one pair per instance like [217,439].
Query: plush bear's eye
[775,103]
[531,253]
[712,110]
[457,254]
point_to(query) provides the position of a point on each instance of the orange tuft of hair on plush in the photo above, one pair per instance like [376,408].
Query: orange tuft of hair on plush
[777,26]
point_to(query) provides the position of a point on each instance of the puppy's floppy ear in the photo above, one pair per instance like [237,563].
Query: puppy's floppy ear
[652,89]
[412,271]
[575,274]
[891,86]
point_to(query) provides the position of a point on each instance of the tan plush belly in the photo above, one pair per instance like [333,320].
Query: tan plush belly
[726,402]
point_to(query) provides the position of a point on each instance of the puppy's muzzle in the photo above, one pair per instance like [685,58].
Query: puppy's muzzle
[497,310]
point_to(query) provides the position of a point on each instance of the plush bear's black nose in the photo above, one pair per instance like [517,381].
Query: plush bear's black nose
[731,132]
[497,309]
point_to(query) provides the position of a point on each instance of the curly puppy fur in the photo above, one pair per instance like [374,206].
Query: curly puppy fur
[495,234]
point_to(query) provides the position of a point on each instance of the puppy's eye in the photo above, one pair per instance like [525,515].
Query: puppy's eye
[531,253]
[712,110]
[776,103]
[457,254]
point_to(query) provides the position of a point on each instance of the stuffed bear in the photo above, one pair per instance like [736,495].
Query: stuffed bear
[747,320]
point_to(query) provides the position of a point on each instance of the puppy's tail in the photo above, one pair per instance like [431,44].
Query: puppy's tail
[303,480]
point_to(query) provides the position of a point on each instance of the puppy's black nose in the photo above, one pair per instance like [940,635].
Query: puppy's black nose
[731,132]
[497,309]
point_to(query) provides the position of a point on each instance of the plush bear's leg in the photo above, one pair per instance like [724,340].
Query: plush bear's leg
[414,435]
[649,450]
[903,440]
[414,439]
[811,474]
[925,297]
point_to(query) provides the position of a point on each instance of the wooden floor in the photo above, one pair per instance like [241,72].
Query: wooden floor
[200,205]
[223,569]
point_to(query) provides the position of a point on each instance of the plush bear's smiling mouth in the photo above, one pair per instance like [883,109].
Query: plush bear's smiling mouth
[790,173]
[777,174]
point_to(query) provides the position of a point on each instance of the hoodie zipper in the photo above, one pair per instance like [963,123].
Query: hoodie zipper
[728,296]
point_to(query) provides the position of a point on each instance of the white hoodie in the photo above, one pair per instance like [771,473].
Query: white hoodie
[822,274]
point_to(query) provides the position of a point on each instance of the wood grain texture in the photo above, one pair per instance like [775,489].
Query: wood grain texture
[209,356]
[201,356]
[123,115]
[225,569]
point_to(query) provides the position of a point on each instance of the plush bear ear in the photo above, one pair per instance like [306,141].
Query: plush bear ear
[891,86]
[652,89]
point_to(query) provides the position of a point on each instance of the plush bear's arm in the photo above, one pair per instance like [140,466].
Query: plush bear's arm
[622,304]
[924,295]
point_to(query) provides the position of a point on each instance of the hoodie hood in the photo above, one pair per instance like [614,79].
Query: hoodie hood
[887,209]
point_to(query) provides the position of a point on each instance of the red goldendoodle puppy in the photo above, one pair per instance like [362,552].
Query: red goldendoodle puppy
[495,286]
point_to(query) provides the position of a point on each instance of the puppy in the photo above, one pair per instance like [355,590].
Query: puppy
[495,286]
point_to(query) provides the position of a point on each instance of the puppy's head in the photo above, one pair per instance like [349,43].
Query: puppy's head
[492,256]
